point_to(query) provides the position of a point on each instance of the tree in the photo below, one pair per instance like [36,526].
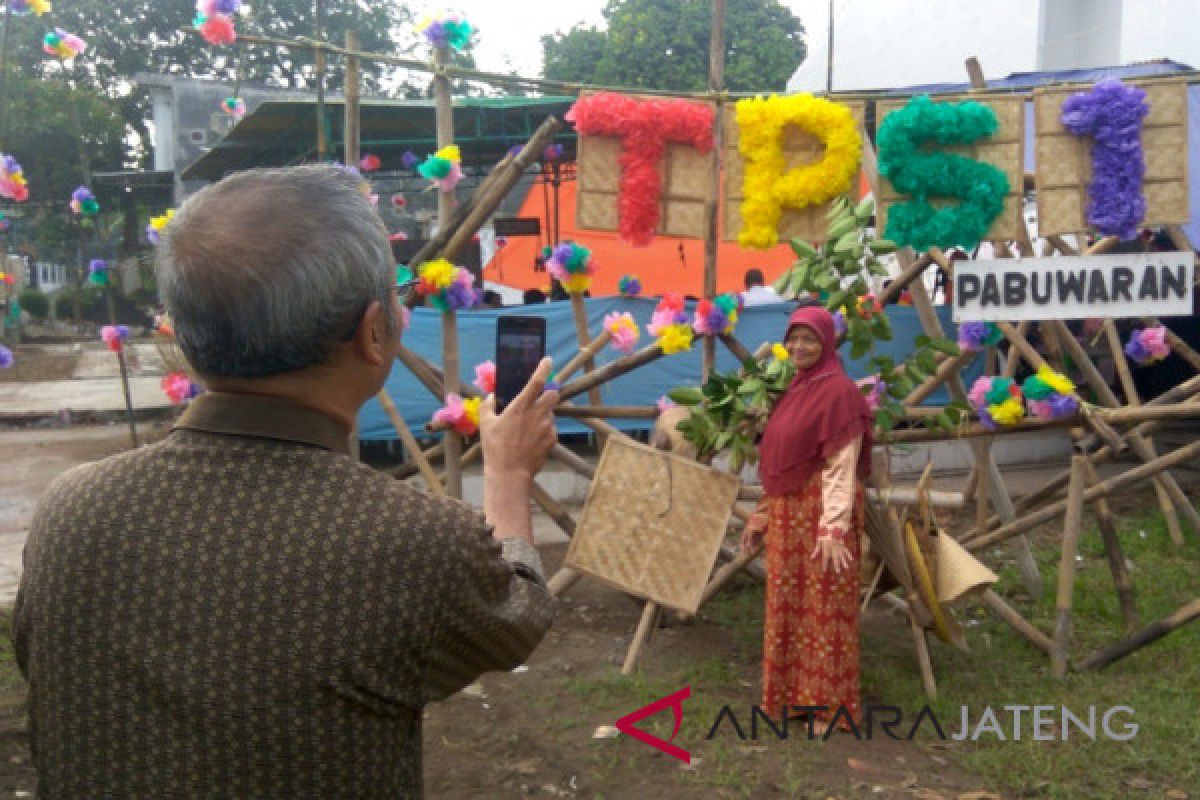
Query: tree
[663,44]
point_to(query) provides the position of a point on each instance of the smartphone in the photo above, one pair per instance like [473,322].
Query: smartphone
[520,347]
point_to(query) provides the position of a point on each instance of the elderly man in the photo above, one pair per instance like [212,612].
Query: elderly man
[244,610]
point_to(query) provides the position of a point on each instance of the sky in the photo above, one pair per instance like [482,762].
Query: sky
[510,32]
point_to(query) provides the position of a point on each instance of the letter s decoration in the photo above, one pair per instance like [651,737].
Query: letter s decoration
[645,128]
[924,174]
[1112,113]
[769,187]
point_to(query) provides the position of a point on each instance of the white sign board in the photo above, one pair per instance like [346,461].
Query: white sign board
[1074,287]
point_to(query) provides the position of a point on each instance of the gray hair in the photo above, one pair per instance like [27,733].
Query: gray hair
[267,270]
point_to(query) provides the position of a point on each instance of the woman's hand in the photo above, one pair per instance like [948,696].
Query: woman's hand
[753,532]
[831,551]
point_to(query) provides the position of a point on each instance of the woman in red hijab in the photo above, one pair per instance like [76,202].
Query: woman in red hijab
[814,456]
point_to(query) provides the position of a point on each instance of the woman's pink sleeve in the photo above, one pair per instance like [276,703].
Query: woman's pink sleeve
[837,490]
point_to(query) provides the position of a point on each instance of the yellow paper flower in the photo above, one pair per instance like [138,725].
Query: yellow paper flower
[438,273]
[160,222]
[577,283]
[450,152]
[1010,412]
[1056,381]
[780,352]
[39,7]
[675,338]
[769,186]
[471,409]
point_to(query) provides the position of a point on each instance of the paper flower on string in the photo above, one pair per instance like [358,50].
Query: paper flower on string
[449,30]
[234,107]
[459,414]
[997,401]
[779,352]
[214,20]
[485,377]
[1050,394]
[369,163]
[629,286]
[623,330]
[157,225]
[876,387]
[718,315]
[553,152]
[571,265]
[978,335]
[1148,345]
[83,202]
[114,336]
[447,287]
[12,179]
[671,324]
[179,388]
[63,45]
[98,272]
[444,168]
[1111,113]
[6,357]
[23,7]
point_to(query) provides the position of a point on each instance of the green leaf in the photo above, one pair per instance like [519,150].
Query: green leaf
[947,346]
[846,242]
[859,348]
[926,361]
[750,386]
[881,326]
[840,228]
[837,299]
[803,249]
[884,419]
[781,283]
[882,247]
[686,395]
[922,341]
[864,210]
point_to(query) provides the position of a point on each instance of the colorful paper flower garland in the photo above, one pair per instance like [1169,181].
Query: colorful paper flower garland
[718,315]
[214,20]
[179,388]
[914,171]
[449,30]
[1112,113]
[460,414]
[12,179]
[645,127]
[63,45]
[157,225]
[83,202]
[447,287]
[571,265]
[443,169]
[769,185]
[629,286]
[1148,345]
[622,330]
[23,7]
[671,324]
[114,336]
[234,107]
[1050,395]
[978,335]
[997,401]
[98,272]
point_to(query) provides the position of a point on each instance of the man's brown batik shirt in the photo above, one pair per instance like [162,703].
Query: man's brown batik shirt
[244,611]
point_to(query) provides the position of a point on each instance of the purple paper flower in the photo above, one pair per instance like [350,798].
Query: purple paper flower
[409,160]
[460,296]
[553,152]
[435,34]
[971,335]
[839,324]
[1111,113]
[985,419]
[227,7]
[1062,405]
[82,194]
[6,357]
[515,150]
[1136,351]
[563,253]
[97,265]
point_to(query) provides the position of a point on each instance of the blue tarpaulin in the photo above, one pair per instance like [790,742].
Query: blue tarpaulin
[477,343]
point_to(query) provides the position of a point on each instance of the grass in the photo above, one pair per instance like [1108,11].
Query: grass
[1161,682]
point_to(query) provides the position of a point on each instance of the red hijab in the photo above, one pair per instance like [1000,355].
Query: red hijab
[819,414]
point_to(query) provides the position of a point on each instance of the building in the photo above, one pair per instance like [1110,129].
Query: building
[879,44]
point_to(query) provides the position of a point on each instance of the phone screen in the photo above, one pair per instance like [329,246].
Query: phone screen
[520,346]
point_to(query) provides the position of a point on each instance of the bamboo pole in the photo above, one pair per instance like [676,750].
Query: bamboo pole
[1125,375]
[352,128]
[726,571]
[405,471]
[737,348]
[319,69]
[1072,529]
[410,443]
[575,462]
[1114,553]
[908,274]
[1152,632]
[1018,623]
[716,85]
[1102,489]
[579,313]
[608,412]
[1178,346]
[553,508]
[645,625]
[584,356]
[611,370]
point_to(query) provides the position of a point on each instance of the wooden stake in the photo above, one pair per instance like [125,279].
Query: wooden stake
[352,136]
[1066,568]
[579,312]
[1152,632]
[583,357]
[1116,556]
[645,625]
[1018,623]
[450,381]
[611,370]
[716,85]
[410,443]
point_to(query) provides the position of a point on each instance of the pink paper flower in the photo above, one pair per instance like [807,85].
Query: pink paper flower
[485,377]
[623,330]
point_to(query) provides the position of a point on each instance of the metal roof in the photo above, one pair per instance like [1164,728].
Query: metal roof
[280,133]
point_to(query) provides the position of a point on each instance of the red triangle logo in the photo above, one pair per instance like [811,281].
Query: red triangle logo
[675,700]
